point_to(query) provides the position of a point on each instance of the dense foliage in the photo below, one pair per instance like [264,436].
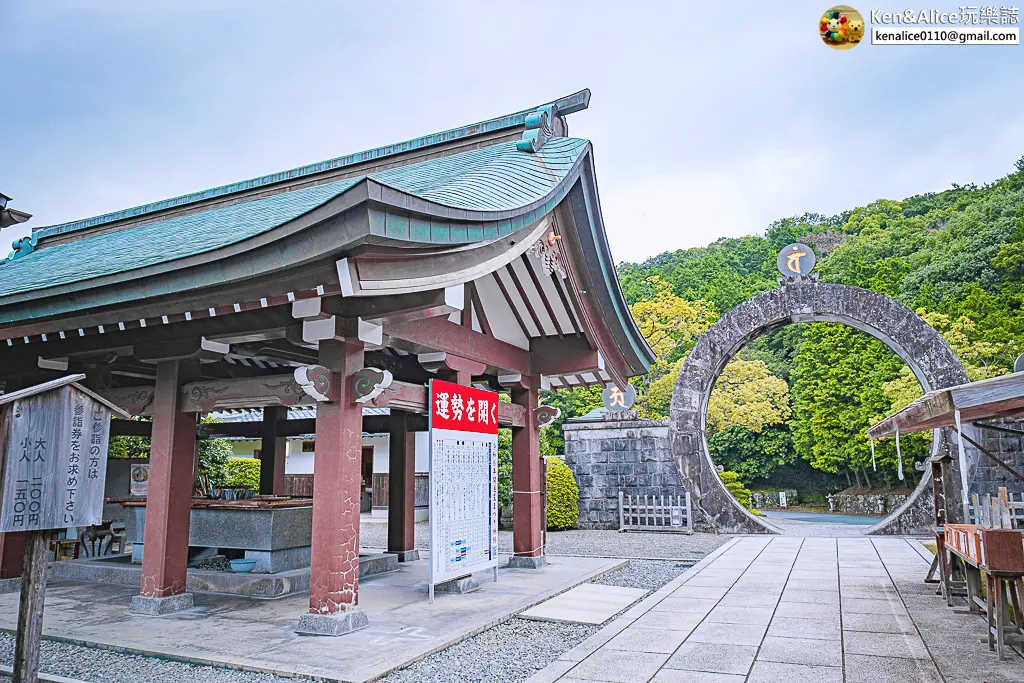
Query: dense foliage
[242,473]
[563,497]
[213,453]
[736,488]
[803,395]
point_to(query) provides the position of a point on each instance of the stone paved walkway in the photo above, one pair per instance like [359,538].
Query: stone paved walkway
[793,610]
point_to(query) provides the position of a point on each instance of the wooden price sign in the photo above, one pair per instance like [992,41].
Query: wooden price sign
[53,444]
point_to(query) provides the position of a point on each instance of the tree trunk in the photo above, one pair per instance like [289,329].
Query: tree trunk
[848,482]
[856,474]
[866,478]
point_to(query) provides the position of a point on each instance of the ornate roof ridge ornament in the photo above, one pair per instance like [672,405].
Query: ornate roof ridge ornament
[22,247]
[545,250]
[539,128]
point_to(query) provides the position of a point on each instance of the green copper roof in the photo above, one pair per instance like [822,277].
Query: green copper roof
[496,178]
[565,105]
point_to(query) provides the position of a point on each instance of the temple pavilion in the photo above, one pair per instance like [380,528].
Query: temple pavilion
[477,254]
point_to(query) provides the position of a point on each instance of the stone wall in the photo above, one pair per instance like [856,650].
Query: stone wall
[987,476]
[871,504]
[610,452]
[770,499]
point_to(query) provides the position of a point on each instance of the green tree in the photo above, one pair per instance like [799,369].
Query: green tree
[747,395]
[753,456]
[671,326]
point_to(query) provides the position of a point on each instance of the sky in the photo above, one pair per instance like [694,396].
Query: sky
[707,120]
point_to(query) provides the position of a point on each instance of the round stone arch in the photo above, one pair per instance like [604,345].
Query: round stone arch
[800,300]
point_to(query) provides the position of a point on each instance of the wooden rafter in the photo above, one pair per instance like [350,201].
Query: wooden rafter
[526,299]
[543,296]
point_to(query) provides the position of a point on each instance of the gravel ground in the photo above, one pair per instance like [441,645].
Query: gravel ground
[649,574]
[96,666]
[512,651]
[594,543]
[517,649]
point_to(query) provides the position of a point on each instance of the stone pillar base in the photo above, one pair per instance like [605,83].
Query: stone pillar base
[158,606]
[337,624]
[408,555]
[465,584]
[526,562]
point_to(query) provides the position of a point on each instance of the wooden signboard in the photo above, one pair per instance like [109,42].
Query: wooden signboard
[53,463]
[54,460]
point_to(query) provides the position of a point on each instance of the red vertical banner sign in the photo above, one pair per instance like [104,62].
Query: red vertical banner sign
[463,481]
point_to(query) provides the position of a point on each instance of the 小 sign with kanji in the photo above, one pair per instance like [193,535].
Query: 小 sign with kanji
[54,457]
[463,480]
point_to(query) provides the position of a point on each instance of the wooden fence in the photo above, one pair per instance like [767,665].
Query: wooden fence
[998,512]
[299,485]
[655,513]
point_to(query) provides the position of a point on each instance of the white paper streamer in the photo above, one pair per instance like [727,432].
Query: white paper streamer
[899,456]
[873,465]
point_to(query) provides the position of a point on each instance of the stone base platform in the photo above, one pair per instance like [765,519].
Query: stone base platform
[118,570]
[403,626]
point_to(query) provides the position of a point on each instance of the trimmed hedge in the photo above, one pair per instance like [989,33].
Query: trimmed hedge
[242,473]
[736,488]
[563,495]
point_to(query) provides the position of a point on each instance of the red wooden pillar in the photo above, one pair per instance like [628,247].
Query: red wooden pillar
[334,562]
[402,489]
[273,453]
[12,548]
[172,458]
[527,485]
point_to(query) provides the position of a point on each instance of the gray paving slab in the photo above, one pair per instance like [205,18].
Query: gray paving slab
[750,600]
[801,651]
[879,623]
[638,639]
[865,669]
[741,615]
[806,610]
[882,625]
[728,634]
[713,658]
[680,676]
[688,591]
[909,646]
[870,606]
[779,672]
[791,627]
[813,597]
[674,604]
[681,621]
[589,603]
[611,665]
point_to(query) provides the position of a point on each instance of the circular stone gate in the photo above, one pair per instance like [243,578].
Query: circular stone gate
[800,299]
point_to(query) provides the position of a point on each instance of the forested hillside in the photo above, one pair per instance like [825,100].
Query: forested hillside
[802,396]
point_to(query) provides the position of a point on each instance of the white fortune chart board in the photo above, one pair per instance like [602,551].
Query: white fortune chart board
[463,480]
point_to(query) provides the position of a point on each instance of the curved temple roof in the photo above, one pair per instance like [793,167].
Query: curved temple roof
[452,197]
[491,179]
